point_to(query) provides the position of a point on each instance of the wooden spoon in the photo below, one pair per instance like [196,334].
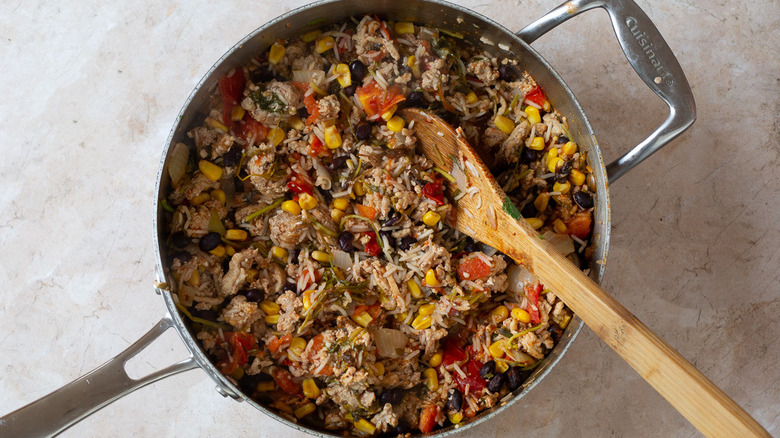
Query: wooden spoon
[495,222]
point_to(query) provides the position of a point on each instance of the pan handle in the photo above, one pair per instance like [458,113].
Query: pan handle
[652,60]
[52,414]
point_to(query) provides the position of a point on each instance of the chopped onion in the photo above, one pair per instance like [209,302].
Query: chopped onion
[390,342]
[178,163]
[304,76]
[518,277]
[561,242]
[341,259]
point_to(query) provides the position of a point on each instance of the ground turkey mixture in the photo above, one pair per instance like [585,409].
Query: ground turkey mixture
[309,244]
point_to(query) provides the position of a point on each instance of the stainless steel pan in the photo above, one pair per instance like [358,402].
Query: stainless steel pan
[644,48]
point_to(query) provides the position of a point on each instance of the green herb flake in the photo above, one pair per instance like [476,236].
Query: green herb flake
[268,101]
[510,209]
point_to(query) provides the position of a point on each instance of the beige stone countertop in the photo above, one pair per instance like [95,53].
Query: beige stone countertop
[90,90]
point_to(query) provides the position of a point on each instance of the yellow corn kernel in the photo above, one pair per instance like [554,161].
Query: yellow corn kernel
[387,115]
[341,203]
[535,222]
[345,77]
[276,53]
[359,189]
[332,137]
[282,406]
[403,27]
[363,318]
[505,124]
[421,322]
[291,207]
[401,316]
[297,345]
[276,136]
[396,124]
[365,426]
[218,195]
[427,309]
[211,170]
[521,315]
[533,115]
[305,410]
[251,274]
[270,307]
[552,153]
[471,98]
[431,218]
[563,187]
[576,178]
[236,234]
[230,251]
[552,164]
[570,148]
[307,298]
[537,144]
[337,215]
[237,113]
[496,349]
[559,226]
[411,61]
[272,319]
[430,278]
[194,279]
[431,379]
[307,201]
[266,386]
[414,288]
[379,369]
[216,124]
[296,123]
[337,272]
[320,256]
[435,360]
[310,388]
[219,251]
[501,366]
[324,44]
[311,36]
[499,314]
[279,253]
[542,201]
[455,417]
[200,199]
[564,322]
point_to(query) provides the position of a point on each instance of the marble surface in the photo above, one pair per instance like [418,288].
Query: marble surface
[90,90]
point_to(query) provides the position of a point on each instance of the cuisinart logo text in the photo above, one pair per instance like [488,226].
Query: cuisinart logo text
[647,47]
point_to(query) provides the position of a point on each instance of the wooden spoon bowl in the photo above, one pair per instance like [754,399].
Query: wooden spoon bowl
[489,216]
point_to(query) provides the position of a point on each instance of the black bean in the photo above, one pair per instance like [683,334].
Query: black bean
[207,314]
[529,210]
[507,72]
[555,331]
[415,99]
[337,162]
[529,155]
[515,377]
[253,295]
[407,242]
[506,258]
[249,382]
[563,139]
[357,71]
[350,91]
[495,384]
[389,235]
[450,118]
[402,429]
[488,369]
[232,156]
[363,131]
[334,87]
[210,241]
[583,199]
[392,219]
[455,401]
[225,265]
[262,74]
[294,255]
[345,241]
[562,173]
[238,185]
[179,239]
[290,287]
[472,246]
[392,396]
[303,113]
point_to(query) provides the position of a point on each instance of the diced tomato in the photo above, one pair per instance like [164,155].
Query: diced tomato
[252,129]
[366,211]
[428,418]
[473,380]
[473,269]
[377,100]
[240,343]
[285,381]
[372,247]
[452,353]
[311,106]
[537,96]
[434,192]
[532,293]
[276,343]
[579,225]
[298,185]
[231,87]
[316,148]
[315,345]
